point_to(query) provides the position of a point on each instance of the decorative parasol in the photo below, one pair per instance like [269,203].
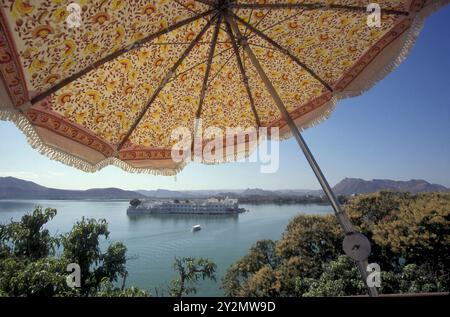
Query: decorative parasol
[100,82]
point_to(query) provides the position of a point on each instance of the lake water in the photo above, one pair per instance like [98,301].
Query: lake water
[154,240]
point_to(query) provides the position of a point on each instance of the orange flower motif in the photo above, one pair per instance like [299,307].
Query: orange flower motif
[128,89]
[99,118]
[64,98]
[259,14]
[158,62]
[101,18]
[149,9]
[51,79]
[293,25]
[190,36]
[42,31]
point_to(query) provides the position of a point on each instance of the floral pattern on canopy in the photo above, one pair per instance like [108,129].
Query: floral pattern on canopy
[111,90]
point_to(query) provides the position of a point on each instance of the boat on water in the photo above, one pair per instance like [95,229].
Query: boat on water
[210,206]
[196,228]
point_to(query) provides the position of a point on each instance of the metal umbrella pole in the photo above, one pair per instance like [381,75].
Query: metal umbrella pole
[355,244]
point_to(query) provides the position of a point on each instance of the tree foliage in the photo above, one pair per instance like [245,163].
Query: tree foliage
[30,265]
[410,237]
[190,271]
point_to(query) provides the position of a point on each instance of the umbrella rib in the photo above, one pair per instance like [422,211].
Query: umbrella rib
[189,9]
[199,63]
[249,20]
[340,214]
[164,82]
[208,67]
[120,52]
[310,6]
[243,73]
[221,68]
[207,2]
[284,51]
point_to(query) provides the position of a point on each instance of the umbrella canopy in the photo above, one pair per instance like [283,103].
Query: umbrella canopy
[107,82]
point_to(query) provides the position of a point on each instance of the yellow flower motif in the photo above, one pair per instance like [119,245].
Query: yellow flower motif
[102,105]
[133,75]
[125,64]
[117,4]
[69,48]
[156,115]
[91,48]
[148,89]
[68,111]
[111,85]
[344,21]
[93,95]
[119,36]
[80,117]
[138,36]
[375,34]
[143,56]
[21,8]
[321,52]
[324,17]
[36,65]
[353,31]
[68,64]
[60,15]
[346,63]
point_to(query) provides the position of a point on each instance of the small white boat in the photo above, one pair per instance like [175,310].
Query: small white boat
[196,228]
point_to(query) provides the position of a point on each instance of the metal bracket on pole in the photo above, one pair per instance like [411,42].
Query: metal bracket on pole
[343,220]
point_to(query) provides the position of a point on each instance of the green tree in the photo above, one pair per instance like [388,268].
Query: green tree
[82,246]
[28,236]
[339,278]
[135,202]
[29,266]
[190,271]
[410,237]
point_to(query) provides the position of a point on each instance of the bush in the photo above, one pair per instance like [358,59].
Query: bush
[410,237]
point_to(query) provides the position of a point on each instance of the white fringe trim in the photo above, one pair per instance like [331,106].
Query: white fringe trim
[53,153]
[36,143]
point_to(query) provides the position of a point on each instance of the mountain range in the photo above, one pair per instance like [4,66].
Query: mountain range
[14,188]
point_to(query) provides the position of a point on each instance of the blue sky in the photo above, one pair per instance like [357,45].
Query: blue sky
[399,130]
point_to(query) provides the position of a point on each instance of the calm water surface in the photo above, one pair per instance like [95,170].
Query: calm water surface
[154,240]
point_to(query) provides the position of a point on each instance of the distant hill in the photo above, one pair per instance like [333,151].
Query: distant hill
[14,188]
[350,186]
